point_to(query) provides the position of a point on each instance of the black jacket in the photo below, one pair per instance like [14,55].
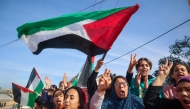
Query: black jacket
[152,100]
[91,84]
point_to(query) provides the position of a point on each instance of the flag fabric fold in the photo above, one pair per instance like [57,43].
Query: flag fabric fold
[23,96]
[86,71]
[74,80]
[92,33]
[35,83]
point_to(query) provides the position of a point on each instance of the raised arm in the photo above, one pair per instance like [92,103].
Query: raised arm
[44,95]
[132,64]
[47,82]
[91,82]
[98,97]
[164,71]
[151,99]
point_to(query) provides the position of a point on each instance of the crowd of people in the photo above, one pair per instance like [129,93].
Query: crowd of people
[122,92]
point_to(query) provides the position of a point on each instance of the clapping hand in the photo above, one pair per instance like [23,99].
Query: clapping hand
[138,79]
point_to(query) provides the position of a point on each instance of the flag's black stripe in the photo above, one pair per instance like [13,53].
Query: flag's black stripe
[85,73]
[16,93]
[71,41]
[31,79]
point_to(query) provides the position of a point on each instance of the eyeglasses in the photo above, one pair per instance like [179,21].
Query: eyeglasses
[119,84]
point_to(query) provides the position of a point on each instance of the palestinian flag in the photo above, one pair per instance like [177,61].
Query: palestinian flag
[86,71]
[35,83]
[92,33]
[74,80]
[23,96]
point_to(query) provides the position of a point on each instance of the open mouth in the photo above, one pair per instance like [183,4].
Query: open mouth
[180,75]
[59,102]
[186,102]
[122,93]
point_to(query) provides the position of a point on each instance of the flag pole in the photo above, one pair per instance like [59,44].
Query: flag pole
[104,55]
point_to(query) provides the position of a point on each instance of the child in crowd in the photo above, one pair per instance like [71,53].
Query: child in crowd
[177,72]
[139,85]
[58,99]
[63,85]
[151,99]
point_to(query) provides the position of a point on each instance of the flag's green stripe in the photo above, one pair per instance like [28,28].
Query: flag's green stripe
[31,99]
[39,87]
[64,20]
[75,82]
[92,68]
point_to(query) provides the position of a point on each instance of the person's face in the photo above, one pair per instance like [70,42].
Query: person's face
[183,93]
[52,88]
[121,88]
[58,99]
[72,99]
[179,71]
[50,93]
[144,68]
[61,86]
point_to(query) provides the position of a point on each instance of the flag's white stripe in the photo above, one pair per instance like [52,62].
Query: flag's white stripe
[33,40]
[34,84]
[24,98]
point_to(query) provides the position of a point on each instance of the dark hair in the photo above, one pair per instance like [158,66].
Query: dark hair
[81,96]
[50,90]
[54,86]
[57,91]
[60,82]
[41,103]
[113,82]
[172,80]
[143,59]
[184,64]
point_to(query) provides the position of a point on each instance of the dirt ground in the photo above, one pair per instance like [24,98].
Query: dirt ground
[8,102]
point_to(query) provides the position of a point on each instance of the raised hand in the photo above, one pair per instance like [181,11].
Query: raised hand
[99,64]
[65,78]
[48,82]
[69,84]
[104,82]
[138,79]
[107,77]
[164,69]
[132,63]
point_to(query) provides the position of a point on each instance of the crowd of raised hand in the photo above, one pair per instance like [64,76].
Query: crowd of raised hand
[122,92]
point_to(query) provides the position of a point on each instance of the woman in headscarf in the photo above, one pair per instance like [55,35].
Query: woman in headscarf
[121,98]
